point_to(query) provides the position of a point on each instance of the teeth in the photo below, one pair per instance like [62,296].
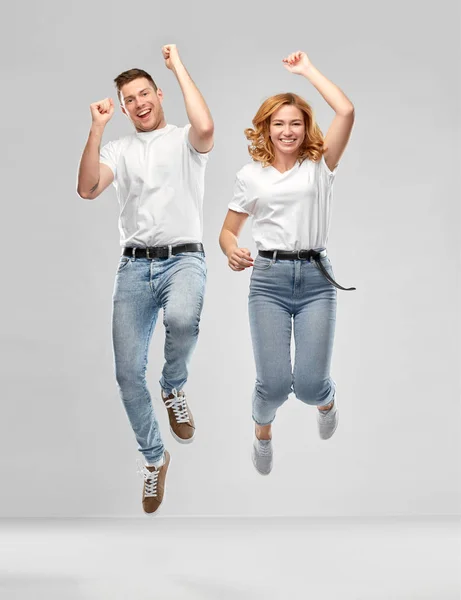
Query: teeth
[143,113]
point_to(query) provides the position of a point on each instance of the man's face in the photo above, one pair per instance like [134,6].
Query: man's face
[142,104]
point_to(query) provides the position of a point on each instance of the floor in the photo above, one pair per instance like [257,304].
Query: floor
[230,558]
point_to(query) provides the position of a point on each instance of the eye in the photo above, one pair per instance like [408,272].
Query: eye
[128,101]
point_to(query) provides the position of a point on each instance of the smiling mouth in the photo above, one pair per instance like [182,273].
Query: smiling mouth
[144,114]
[287,142]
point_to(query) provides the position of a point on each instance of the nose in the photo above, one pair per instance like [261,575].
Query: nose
[287,131]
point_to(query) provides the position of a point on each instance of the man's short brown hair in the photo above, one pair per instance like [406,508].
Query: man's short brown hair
[131,75]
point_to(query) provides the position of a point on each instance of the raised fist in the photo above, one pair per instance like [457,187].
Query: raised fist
[102,111]
[297,62]
[171,55]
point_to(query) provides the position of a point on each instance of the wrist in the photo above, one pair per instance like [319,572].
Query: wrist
[307,71]
[230,250]
[177,67]
[97,129]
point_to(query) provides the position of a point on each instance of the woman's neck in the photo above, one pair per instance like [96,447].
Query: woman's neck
[284,162]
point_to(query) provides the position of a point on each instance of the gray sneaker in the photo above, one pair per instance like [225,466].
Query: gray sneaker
[327,421]
[261,454]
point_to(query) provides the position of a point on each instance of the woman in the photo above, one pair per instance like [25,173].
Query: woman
[287,189]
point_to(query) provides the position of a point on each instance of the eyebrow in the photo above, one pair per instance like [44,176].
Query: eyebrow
[282,121]
[131,95]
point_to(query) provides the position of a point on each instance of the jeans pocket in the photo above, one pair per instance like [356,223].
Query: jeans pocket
[262,264]
[326,264]
[124,260]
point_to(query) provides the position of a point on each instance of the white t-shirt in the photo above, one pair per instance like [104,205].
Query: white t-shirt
[159,180]
[291,210]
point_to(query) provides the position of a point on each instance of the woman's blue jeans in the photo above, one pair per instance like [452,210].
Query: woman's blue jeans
[286,296]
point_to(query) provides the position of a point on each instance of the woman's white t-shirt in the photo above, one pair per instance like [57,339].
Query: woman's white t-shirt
[291,210]
[159,181]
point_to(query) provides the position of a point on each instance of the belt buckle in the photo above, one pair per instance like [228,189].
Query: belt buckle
[299,255]
[147,253]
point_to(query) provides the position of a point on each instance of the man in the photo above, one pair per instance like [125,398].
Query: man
[158,173]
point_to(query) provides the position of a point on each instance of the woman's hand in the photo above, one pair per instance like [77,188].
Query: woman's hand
[239,259]
[297,62]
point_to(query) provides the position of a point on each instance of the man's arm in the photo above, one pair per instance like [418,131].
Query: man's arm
[202,126]
[94,177]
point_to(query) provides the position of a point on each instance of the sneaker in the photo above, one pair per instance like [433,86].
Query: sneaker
[261,454]
[327,421]
[181,420]
[154,485]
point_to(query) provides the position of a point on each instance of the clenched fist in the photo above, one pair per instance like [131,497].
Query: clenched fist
[102,111]
[171,56]
[239,259]
[297,62]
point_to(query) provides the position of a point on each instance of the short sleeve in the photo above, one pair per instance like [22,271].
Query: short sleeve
[109,156]
[202,155]
[240,202]
[326,174]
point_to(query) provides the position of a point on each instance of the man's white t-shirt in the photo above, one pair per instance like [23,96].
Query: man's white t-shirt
[291,210]
[159,181]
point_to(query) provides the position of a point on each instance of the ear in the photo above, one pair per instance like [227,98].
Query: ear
[160,95]
[123,110]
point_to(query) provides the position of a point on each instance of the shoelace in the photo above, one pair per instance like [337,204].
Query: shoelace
[179,406]
[327,413]
[150,479]
[264,449]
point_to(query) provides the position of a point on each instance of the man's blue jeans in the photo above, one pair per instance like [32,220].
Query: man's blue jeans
[286,295]
[143,287]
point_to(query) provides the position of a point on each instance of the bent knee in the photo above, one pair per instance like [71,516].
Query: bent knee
[313,392]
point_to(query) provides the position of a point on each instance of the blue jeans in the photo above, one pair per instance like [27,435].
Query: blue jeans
[286,295]
[142,287]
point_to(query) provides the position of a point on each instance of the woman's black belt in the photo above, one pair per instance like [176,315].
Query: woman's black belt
[161,251]
[310,255]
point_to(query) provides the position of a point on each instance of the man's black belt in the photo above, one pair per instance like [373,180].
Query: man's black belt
[161,251]
[310,255]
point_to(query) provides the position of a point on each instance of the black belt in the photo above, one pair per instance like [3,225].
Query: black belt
[161,251]
[310,255]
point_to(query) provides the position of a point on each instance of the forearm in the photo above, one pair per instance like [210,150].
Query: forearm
[88,174]
[228,241]
[196,108]
[338,101]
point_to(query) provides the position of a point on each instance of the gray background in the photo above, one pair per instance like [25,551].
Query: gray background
[66,448]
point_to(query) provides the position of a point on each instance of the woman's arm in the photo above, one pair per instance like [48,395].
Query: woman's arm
[238,258]
[340,129]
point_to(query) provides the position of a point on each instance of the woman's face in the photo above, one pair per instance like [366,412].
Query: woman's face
[287,130]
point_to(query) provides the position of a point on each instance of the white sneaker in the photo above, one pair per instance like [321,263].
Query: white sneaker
[262,456]
[327,421]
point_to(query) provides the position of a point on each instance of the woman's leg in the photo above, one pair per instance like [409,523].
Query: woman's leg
[314,329]
[270,325]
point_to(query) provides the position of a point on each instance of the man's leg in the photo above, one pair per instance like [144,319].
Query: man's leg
[181,294]
[134,316]
[181,287]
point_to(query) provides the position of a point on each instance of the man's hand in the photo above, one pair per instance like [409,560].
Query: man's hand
[171,56]
[102,111]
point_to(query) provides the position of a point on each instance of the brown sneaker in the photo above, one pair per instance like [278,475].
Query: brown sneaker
[154,485]
[182,425]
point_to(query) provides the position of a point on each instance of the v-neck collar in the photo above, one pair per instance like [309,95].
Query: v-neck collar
[284,172]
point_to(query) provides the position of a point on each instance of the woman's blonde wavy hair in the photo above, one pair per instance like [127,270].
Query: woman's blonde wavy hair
[261,147]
